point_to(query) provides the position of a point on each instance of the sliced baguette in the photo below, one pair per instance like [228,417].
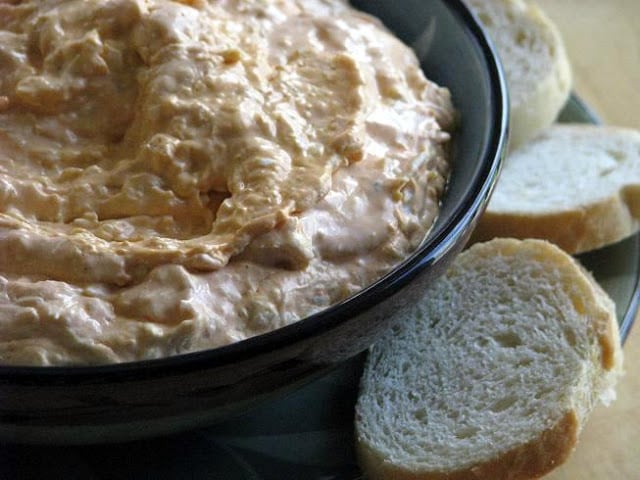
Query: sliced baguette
[577,186]
[495,373]
[534,59]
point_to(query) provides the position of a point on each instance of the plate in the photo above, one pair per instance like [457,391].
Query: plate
[305,435]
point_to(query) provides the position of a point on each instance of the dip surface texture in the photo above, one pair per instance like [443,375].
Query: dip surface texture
[176,176]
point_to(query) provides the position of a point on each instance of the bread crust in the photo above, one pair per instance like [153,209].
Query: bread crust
[531,460]
[576,231]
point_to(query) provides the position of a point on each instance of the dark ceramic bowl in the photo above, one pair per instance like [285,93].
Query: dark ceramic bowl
[133,400]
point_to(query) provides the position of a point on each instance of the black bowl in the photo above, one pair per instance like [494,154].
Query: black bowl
[133,400]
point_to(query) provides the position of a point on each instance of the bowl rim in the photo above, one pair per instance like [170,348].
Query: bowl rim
[433,248]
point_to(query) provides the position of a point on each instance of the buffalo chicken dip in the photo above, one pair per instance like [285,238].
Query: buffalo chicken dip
[181,175]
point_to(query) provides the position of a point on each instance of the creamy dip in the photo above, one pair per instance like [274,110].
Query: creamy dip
[180,175]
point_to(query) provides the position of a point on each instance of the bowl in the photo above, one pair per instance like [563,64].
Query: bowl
[140,399]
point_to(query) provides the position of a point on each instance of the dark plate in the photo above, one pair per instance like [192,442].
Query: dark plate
[307,435]
[144,399]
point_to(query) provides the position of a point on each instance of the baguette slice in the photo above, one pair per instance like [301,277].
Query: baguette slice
[577,186]
[494,374]
[534,59]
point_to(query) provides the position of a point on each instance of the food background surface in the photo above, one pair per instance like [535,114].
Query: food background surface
[603,42]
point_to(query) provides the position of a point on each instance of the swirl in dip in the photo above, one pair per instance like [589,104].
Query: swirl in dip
[180,175]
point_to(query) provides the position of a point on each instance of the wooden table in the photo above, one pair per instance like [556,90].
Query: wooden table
[603,43]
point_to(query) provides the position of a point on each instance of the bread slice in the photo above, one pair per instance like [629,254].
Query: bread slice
[494,373]
[577,186]
[534,59]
